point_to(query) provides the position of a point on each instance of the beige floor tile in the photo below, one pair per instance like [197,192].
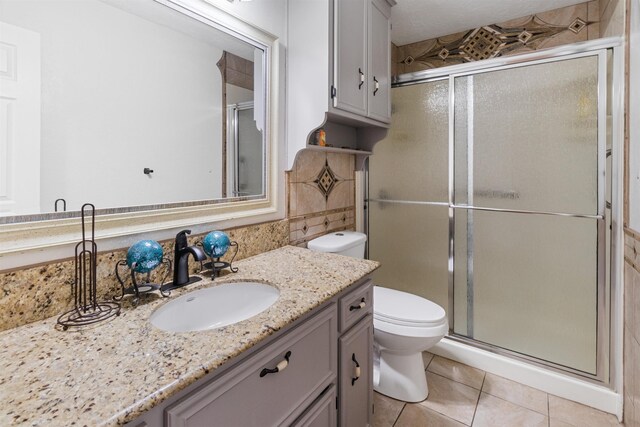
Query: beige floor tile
[426,358]
[457,371]
[493,411]
[386,410]
[414,415]
[450,398]
[556,423]
[579,415]
[514,392]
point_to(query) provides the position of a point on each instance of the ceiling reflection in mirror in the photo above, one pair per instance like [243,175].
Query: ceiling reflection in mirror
[129,105]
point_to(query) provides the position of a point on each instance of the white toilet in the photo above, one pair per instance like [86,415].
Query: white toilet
[404,325]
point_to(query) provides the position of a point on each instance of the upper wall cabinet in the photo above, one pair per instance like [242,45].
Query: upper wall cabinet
[339,67]
[362,58]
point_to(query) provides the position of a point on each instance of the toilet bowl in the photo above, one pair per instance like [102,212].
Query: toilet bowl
[404,325]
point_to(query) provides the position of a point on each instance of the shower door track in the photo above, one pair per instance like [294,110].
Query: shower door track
[604,293]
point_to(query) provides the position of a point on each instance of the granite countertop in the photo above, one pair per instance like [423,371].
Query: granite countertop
[111,373]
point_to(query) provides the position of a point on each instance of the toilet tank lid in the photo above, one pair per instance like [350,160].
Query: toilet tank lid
[337,242]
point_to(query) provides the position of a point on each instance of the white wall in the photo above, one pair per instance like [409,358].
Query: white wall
[119,94]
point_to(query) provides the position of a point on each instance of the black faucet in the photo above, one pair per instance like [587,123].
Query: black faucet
[181,258]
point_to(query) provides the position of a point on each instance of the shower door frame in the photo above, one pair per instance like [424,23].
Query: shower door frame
[608,335]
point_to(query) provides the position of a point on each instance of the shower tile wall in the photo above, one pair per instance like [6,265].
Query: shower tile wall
[321,195]
[553,28]
[632,329]
[38,292]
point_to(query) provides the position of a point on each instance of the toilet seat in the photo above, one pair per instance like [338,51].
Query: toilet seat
[401,313]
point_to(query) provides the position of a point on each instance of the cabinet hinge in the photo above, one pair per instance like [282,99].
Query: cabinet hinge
[333,91]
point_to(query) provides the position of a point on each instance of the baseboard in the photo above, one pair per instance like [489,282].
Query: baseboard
[564,386]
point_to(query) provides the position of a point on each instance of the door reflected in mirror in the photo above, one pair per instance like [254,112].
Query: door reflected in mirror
[129,105]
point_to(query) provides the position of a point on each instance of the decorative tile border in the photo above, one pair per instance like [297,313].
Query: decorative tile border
[560,26]
[321,195]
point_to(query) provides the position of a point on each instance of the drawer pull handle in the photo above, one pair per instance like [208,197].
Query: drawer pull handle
[377,85]
[279,367]
[356,370]
[361,78]
[359,306]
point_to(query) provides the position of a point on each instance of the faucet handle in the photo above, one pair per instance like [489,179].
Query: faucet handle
[181,239]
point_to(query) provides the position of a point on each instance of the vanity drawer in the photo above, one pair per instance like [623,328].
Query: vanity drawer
[355,305]
[248,395]
[322,413]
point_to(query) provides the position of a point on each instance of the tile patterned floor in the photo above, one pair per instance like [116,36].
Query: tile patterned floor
[460,395]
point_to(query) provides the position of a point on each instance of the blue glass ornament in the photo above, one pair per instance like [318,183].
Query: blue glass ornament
[144,256]
[216,244]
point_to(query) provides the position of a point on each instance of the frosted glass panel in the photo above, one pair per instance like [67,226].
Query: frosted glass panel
[411,163]
[532,134]
[411,242]
[534,284]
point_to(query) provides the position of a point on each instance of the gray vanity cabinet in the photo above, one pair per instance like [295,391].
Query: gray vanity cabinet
[326,380]
[362,58]
[250,396]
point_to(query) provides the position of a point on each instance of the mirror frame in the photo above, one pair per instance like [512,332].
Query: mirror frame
[20,238]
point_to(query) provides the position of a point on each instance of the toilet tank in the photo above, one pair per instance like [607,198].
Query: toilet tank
[348,243]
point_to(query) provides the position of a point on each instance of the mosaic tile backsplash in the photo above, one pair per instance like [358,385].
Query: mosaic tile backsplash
[40,292]
[321,195]
[556,27]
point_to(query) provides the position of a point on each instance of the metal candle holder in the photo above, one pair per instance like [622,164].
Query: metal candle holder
[87,310]
[138,288]
[216,266]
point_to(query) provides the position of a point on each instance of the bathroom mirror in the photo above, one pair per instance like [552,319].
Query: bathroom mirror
[129,85]
[132,105]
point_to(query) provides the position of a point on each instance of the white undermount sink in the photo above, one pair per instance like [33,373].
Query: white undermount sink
[214,307]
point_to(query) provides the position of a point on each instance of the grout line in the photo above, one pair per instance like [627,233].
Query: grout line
[475,410]
[433,356]
[399,413]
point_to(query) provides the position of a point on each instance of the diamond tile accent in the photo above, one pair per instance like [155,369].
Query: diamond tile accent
[326,223]
[524,36]
[408,60]
[444,53]
[326,180]
[577,25]
[482,43]
[305,228]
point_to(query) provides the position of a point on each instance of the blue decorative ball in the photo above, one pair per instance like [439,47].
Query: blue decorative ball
[144,256]
[216,244]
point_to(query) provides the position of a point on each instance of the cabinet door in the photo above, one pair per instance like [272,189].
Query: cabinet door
[379,49]
[356,375]
[350,55]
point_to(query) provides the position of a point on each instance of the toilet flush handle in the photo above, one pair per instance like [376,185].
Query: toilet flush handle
[362,304]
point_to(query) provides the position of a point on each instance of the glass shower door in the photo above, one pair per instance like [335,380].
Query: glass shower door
[408,209]
[528,208]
